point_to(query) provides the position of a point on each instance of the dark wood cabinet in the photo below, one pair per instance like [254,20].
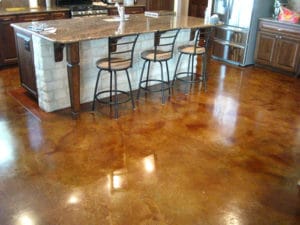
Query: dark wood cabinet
[60,15]
[26,64]
[278,46]
[8,53]
[159,4]
[128,10]
[197,8]
[34,17]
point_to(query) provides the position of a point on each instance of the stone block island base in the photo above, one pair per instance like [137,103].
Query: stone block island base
[64,61]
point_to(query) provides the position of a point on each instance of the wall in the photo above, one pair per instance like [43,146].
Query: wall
[20,3]
[295,5]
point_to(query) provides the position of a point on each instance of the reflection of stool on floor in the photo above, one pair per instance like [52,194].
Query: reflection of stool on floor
[120,55]
[199,39]
[163,51]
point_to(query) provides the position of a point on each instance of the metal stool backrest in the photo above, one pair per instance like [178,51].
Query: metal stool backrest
[200,38]
[164,41]
[121,49]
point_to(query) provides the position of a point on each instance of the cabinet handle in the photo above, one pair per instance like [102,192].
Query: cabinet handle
[5,19]
[26,41]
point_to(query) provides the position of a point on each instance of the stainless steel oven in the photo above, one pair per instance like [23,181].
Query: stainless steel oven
[82,7]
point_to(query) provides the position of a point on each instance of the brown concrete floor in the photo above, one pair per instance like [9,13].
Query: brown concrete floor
[230,156]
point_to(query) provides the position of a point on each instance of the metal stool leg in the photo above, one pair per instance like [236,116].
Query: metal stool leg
[130,89]
[175,73]
[95,91]
[168,77]
[116,96]
[192,69]
[162,84]
[188,75]
[140,82]
[110,85]
[204,70]
[148,72]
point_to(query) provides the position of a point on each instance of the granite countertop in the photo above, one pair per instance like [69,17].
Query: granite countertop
[296,25]
[96,27]
[26,10]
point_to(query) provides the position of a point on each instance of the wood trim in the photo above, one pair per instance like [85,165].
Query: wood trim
[74,77]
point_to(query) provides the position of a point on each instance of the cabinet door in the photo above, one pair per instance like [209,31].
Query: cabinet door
[287,53]
[160,5]
[128,10]
[134,10]
[265,48]
[26,64]
[34,17]
[60,15]
[7,41]
[197,8]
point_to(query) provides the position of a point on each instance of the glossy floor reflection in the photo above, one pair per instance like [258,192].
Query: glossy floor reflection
[230,156]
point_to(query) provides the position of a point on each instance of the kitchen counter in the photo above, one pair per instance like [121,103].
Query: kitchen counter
[63,82]
[26,10]
[95,27]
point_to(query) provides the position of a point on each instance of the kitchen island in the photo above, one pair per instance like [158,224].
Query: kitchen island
[64,57]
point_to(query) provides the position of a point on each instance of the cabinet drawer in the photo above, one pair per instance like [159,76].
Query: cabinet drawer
[135,10]
[128,10]
[279,27]
[8,19]
[60,15]
[34,17]
[237,36]
[226,51]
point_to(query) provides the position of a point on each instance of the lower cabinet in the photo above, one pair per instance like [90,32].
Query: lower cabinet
[26,64]
[278,46]
[8,54]
[128,10]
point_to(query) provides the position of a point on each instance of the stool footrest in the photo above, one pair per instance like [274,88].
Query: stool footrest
[189,74]
[168,86]
[110,102]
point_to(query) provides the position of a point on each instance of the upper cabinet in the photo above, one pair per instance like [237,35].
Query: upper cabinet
[159,4]
[8,53]
[197,7]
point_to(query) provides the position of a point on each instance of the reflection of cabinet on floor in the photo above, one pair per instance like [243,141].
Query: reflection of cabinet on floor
[278,46]
[8,54]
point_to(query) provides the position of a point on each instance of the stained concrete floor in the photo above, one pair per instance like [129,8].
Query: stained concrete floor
[228,156]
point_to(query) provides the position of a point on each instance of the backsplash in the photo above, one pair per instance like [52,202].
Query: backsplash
[20,3]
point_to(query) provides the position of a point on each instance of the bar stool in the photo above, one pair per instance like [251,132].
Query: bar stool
[120,57]
[199,39]
[163,51]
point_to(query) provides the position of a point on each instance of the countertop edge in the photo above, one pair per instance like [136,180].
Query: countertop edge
[3,12]
[20,26]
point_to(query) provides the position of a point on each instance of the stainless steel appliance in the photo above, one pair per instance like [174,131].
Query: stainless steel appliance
[82,7]
[113,1]
[234,41]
